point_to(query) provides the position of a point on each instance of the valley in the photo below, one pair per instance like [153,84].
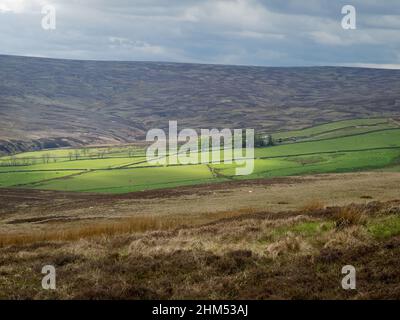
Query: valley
[77,191]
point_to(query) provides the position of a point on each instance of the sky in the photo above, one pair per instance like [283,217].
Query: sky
[238,32]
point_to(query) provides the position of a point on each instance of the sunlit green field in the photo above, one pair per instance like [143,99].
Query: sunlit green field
[323,163]
[128,180]
[344,146]
[28,179]
[373,140]
[337,129]
[79,153]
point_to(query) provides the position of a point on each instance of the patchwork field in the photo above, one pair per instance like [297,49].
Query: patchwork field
[343,146]
[50,103]
[337,129]
[318,199]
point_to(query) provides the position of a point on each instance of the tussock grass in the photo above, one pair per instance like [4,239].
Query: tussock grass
[312,205]
[349,237]
[289,244]
[349,216]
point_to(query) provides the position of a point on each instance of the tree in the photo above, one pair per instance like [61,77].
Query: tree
[260,140]
[46,157]
[101,154]
[13,160]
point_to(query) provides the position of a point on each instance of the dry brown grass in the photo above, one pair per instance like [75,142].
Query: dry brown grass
[135,224]
[254,256]
[312,206]
[212,216]
[289,244]
[126,225]
[350,237]
[349,216]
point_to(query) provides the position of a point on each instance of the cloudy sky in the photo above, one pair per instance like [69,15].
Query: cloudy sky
[246,32]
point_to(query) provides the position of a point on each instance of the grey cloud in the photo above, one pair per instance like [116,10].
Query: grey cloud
[251,32]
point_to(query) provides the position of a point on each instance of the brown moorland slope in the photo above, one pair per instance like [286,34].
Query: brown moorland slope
[292,255]
[47,103]
[269,239]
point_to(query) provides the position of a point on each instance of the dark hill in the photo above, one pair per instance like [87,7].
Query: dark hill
[50,103]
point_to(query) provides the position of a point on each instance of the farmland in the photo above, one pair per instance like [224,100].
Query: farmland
[116,227]
[337,129]
[343,146]
[48,103]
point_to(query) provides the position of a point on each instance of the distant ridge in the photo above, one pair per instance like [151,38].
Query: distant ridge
[48,103]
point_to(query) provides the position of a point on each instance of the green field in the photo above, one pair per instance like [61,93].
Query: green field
[77,154]
[30,178]
[128,180]
[336,129]
[344,146]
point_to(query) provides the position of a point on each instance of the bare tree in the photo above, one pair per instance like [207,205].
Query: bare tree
[13,161]
[46,158]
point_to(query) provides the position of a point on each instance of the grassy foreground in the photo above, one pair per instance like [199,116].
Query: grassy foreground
[261,255]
